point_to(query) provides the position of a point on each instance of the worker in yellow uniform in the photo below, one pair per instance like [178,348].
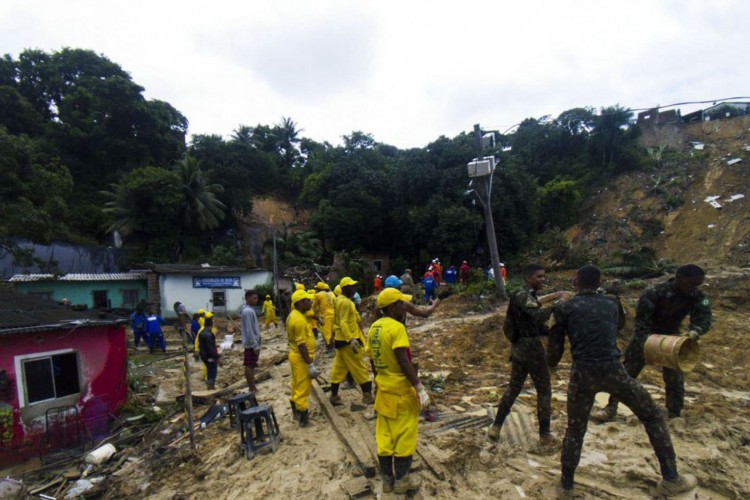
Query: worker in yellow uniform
[202,322]
[301,355]
[323,307]
[400,395]
[269,311]
[312,318]
[348,344]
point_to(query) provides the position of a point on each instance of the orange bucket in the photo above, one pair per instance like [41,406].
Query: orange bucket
[671,351]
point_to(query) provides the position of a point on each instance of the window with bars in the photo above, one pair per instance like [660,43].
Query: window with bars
[129,298]
[51,377]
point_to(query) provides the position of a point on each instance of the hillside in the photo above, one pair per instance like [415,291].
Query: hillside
[666,209]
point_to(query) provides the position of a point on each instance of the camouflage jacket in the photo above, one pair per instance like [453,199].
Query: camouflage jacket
[661,310]
[591,321]
[526,316]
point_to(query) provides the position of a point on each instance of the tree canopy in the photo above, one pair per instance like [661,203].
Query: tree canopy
[84,153]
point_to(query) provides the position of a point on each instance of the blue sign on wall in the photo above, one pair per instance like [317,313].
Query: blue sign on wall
[216,282]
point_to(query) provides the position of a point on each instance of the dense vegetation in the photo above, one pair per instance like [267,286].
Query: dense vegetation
[83,154]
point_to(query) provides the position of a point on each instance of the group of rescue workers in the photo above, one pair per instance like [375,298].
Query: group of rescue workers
[590,318]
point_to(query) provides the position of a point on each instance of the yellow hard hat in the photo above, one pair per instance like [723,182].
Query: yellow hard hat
[347,281]
[201,311]
[299,286]
[322,286]
[209,315]
[390,295]
[300,295]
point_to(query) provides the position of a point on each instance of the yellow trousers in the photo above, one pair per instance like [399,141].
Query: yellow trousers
[398,420]
[347,361]
[301,383]
[327,328]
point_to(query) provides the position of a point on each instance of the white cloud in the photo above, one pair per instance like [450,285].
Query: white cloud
[406,72]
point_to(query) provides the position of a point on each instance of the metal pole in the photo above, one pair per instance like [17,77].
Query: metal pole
[484,190]
[276,274]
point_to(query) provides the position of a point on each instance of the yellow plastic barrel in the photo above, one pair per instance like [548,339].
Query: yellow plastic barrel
[671,351]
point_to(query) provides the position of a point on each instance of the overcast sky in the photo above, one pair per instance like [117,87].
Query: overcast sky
[404,71]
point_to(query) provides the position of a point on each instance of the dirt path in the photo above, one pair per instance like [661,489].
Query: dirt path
[464,358]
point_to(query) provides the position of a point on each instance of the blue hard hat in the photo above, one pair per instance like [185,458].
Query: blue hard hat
[392,282]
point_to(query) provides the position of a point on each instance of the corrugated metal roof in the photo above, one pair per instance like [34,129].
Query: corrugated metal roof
[198,270]
[25,278]
[104,277]
[21,313]
[19,278]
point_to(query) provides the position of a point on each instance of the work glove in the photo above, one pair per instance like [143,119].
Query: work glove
[312,371]
[354,345]
[693,335]
[422,397]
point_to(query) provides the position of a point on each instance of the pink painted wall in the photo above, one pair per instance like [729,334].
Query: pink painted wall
[103,374]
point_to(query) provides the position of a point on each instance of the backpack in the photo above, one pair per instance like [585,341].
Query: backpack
[508,325]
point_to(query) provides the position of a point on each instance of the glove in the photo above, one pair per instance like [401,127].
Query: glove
[422,397]
[693,335]
[354,345]
[312,371]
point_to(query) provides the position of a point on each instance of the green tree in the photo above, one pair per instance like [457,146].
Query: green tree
[201,209]
[294,248]
[34,191]
[146,204]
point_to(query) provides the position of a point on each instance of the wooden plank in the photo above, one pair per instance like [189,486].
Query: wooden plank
[45,486]
[208,397]
[360,452]
[432,462]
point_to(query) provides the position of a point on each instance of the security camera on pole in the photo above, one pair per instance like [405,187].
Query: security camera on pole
[481,169]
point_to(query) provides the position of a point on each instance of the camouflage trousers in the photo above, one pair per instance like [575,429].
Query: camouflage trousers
[528,357]
[588,379]
[674,380]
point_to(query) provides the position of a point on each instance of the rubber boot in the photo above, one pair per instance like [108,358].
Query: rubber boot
[295,413]
[493,432]
[386,471]
[367,397]
[404,481]
[304,419]
[683,484]
[605,414]
[335,398]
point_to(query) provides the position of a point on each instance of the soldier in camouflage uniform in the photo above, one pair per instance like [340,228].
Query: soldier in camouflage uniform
[591,320]
[524,326]
[660,310]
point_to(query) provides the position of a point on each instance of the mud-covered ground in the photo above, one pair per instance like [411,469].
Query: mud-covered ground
[463,356]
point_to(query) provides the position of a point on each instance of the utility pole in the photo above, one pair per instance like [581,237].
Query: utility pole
[481,170]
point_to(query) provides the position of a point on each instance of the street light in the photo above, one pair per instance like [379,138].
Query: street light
[480,169]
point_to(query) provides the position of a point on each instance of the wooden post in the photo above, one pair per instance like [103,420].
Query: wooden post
[188,390]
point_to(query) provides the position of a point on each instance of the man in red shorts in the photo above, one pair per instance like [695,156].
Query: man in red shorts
[250,337]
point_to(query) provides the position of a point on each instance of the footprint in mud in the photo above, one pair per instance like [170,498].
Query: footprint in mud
[612,430]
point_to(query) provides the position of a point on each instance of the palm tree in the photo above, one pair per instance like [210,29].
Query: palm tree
[295,248]
[287,141]
[243,135]
[202,209]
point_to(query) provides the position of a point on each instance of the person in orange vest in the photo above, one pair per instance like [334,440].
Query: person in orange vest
[378,283]
[503,272]
[437,268]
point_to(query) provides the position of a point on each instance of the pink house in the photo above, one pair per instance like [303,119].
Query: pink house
[63,374]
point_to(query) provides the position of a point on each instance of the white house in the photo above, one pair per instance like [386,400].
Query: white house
[219,289]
